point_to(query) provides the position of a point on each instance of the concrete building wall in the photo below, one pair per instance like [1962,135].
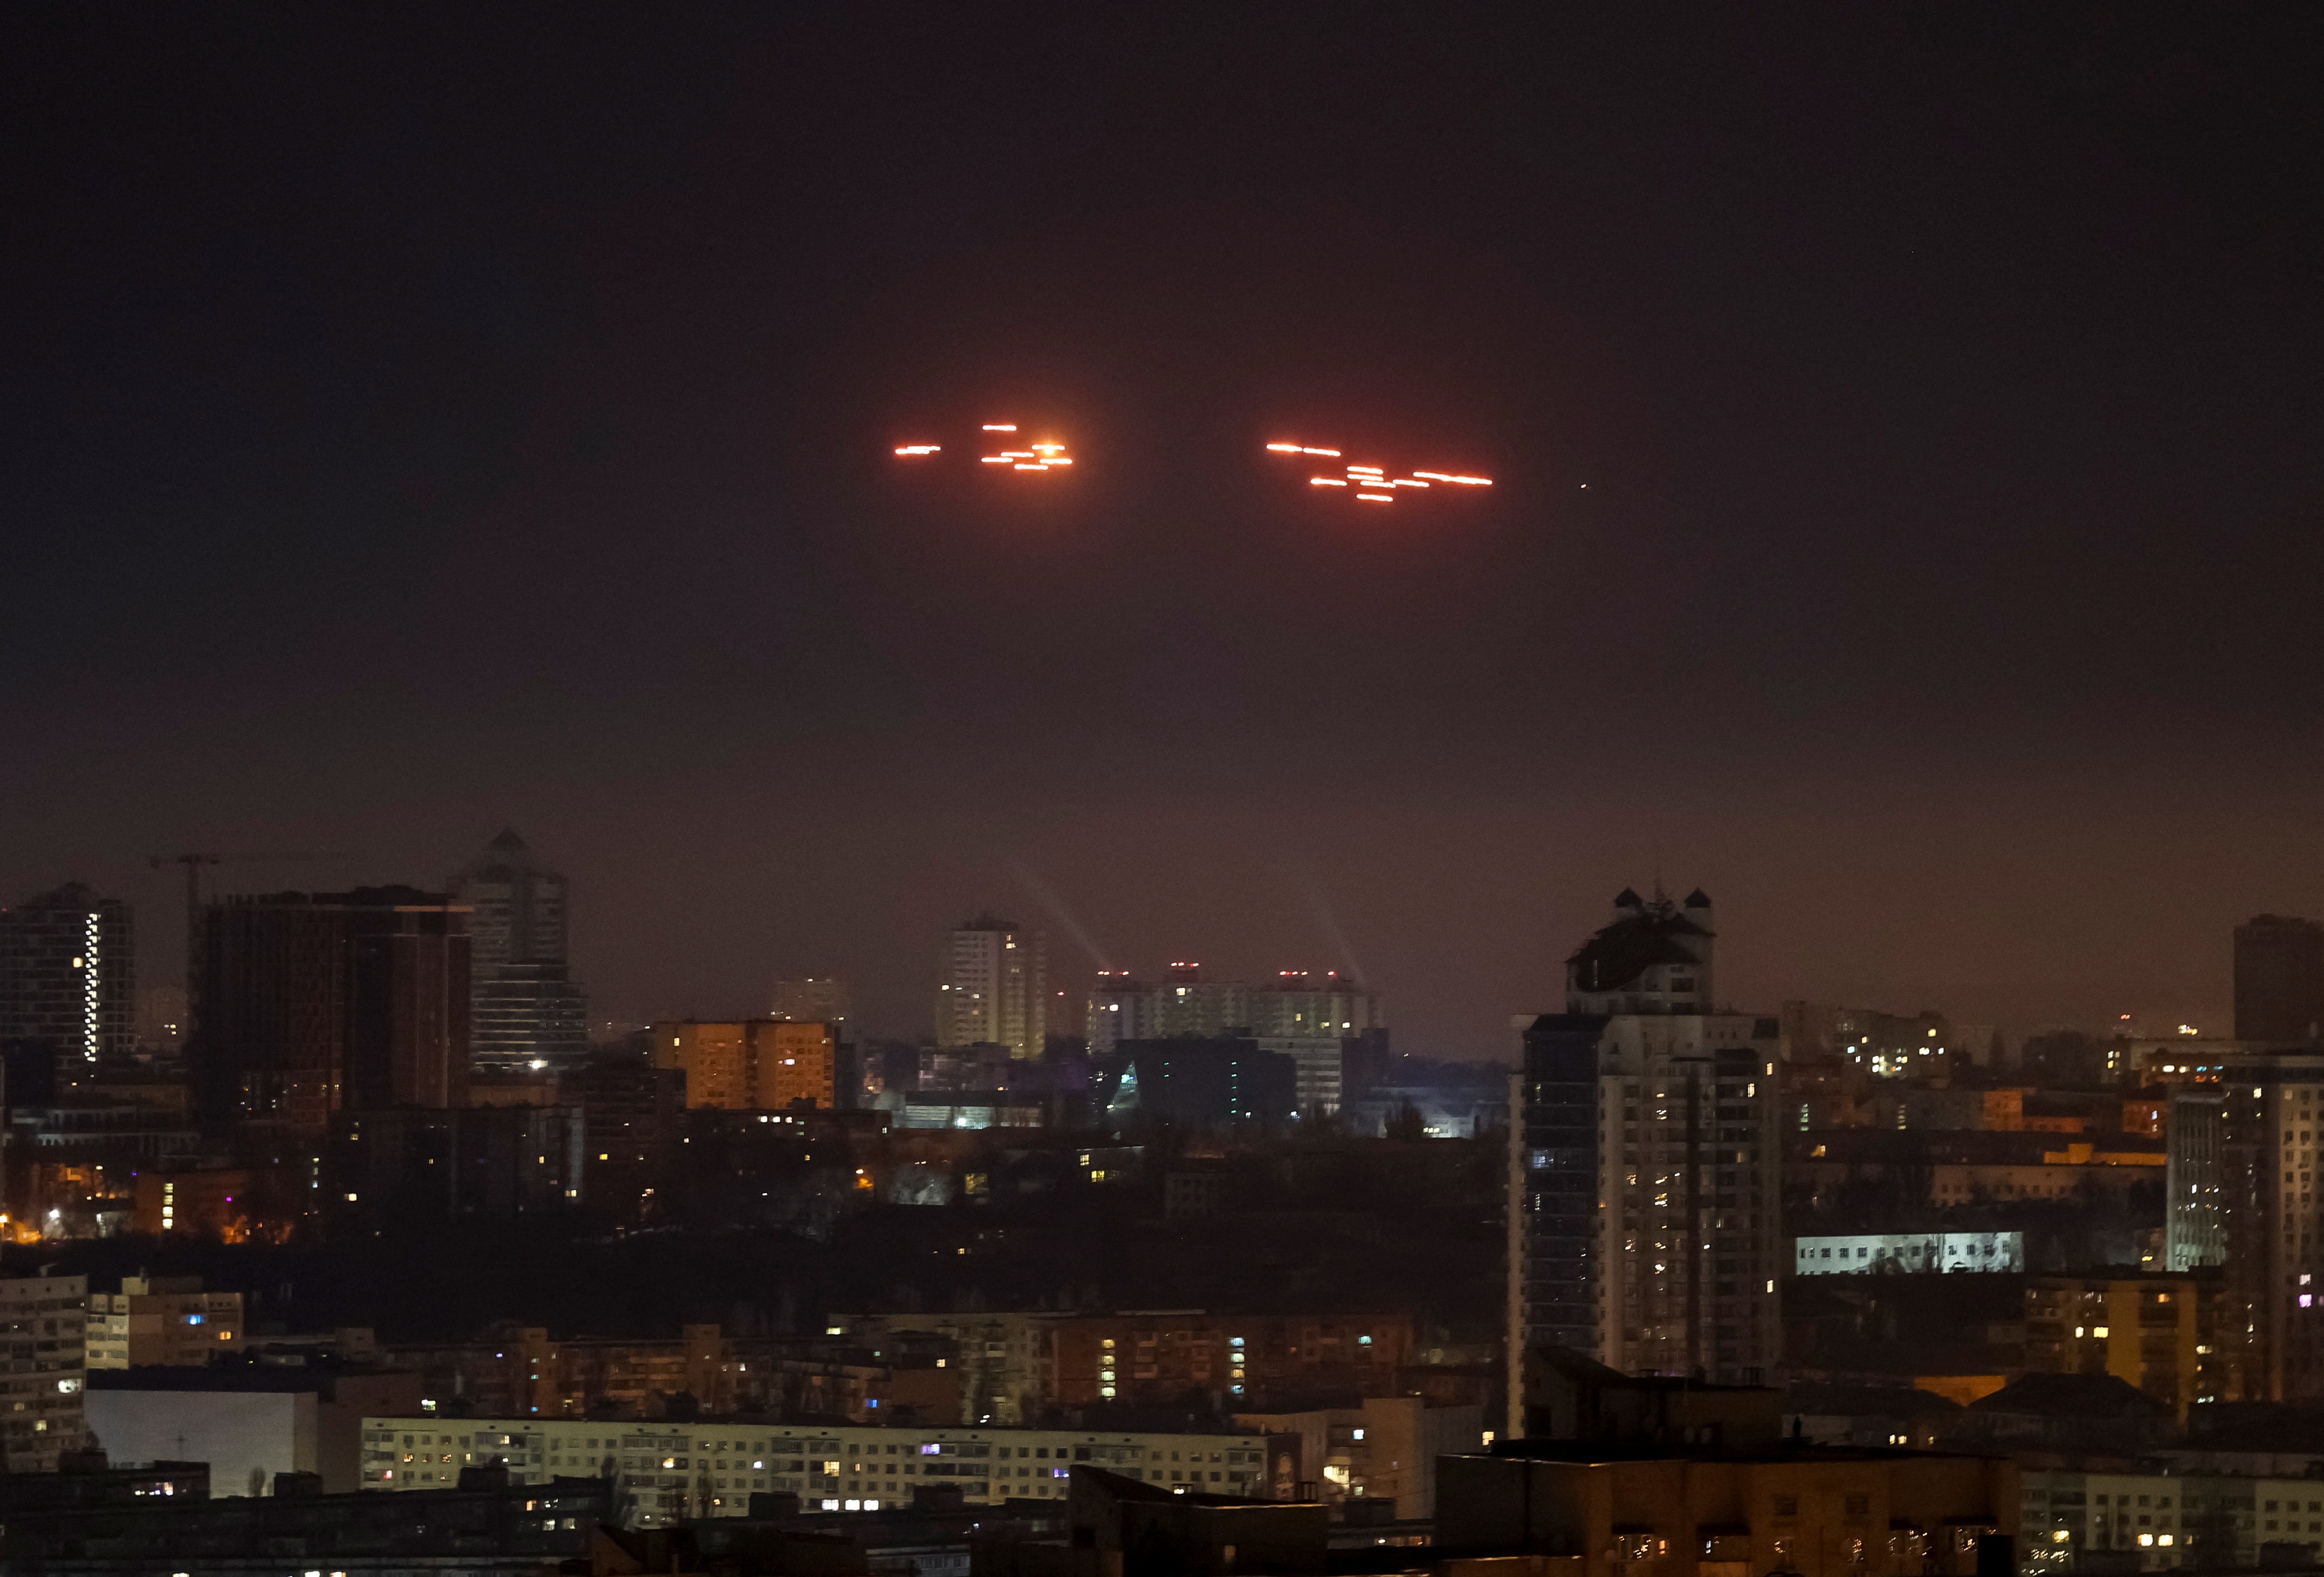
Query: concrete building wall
[246,1438]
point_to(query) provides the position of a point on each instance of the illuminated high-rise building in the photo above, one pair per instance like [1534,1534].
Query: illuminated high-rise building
[68,978]
[994,987]
[1648,1180]
[2246,1157]
[524,1006]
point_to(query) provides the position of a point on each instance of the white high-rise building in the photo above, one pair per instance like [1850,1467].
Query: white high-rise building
[1647,1179]
[994,988]
[1295,1005]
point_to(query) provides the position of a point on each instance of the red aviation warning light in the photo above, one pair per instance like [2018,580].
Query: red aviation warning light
[1372,484]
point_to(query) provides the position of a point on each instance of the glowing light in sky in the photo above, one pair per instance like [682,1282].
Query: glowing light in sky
[1372,484]
[1046,455]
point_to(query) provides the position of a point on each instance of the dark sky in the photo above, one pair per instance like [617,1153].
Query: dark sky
[422,420]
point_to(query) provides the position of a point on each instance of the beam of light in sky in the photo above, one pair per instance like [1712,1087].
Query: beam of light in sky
[1000,426]
[1333,453]
[1377,497]
[1050,899]
[1289,449]
[920,449]
[1327,481]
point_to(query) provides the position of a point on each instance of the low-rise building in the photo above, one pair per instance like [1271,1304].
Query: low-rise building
[248,1420]
[1001,1360]
[668,1471]
[162,1319]
[1381,1449]
[2153,1522]
[1816,1512]
[484,1528]
[1856,1415]
[1859,1253]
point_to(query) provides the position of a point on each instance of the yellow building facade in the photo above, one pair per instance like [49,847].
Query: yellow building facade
[749,1064]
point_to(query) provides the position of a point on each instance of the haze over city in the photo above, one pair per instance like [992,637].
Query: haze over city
[410,439]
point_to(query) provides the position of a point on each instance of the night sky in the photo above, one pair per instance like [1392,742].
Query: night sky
[419,421]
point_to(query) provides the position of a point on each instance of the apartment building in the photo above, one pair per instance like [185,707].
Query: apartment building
[165,1320]
[43,1371]
[1157,1357]
[667,1472]
[2160,1332]
[749,1064]
[2153,1522]
[1002,1359]
[521,1371]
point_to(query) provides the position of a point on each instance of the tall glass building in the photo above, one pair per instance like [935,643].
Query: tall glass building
[525,1006]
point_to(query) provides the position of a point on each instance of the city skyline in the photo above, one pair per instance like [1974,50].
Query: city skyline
[1892,509]
[882,989]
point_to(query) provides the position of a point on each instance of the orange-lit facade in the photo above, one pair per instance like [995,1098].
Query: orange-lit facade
[219,1202]
[749,1064]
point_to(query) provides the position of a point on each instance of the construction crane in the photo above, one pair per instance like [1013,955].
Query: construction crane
[193,865]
